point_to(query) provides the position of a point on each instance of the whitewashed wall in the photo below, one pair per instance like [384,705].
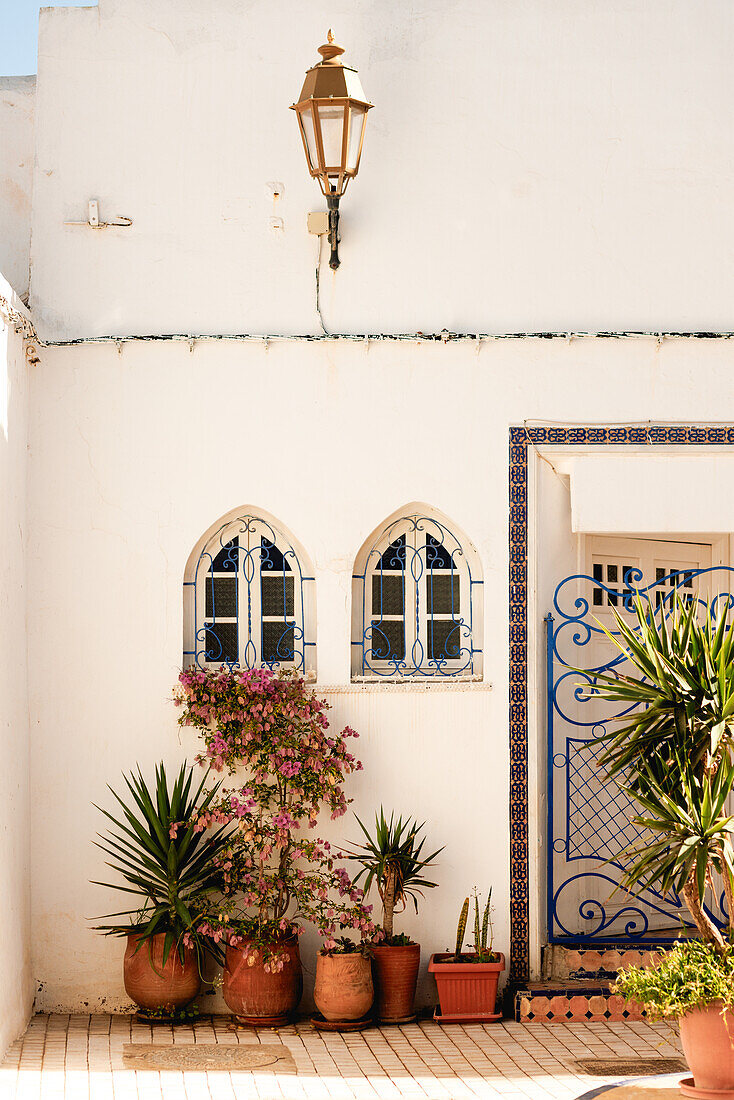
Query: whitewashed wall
[17,148]
[134,454]
[527,166]
[16,985]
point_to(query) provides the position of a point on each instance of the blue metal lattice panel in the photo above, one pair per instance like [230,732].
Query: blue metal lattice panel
[590,818]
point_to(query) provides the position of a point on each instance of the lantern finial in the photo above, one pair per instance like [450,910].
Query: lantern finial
[330,51]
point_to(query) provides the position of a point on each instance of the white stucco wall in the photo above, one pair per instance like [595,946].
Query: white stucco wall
[17,148]
[16,985]
[134,454]
[528,166]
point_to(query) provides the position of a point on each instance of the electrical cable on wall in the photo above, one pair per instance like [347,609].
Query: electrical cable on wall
[444,337]
[318,284]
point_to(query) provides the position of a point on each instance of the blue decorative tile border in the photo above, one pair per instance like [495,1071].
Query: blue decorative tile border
[522,437]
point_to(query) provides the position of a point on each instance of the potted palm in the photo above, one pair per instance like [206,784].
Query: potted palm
[467,980]
[173,869]
[271,731]
[392,859]
[674,757]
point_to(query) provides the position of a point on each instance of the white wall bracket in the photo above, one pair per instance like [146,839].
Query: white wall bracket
[93,220]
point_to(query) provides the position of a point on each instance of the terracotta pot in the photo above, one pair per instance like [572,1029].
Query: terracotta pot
[467,992]
[257,997]
[151,984]
[708,1044]
[395,972]
[343,989]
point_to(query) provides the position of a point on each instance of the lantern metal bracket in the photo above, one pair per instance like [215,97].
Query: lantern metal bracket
[332,201]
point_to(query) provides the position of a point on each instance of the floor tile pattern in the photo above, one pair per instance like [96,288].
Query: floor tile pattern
[81,1058]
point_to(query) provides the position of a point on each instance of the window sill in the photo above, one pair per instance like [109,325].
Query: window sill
[366,687]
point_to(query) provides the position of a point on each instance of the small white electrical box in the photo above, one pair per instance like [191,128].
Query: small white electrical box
[318,222]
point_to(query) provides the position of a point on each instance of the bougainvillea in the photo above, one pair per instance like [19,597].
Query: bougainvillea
[275,874]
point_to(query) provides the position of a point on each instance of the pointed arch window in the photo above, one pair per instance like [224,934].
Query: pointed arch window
[416,599]
[249,599]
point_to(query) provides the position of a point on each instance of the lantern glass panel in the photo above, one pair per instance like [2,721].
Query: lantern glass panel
[355,136]
[332,120]
[306,116]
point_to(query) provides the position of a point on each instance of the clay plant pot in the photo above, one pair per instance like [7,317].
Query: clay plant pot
[151,984]
[343,989]
[395,973]
[708,1044]
[257,997]
[467,991]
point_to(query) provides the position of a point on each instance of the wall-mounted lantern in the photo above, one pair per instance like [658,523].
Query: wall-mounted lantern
[332,113]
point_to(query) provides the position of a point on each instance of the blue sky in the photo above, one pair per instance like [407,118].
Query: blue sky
[20,31]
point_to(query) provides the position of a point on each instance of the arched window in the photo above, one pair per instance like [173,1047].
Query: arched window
[416,601]
[249,598]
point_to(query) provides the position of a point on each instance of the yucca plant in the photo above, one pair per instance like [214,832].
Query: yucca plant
[165,860]
[393,860]
[673,754]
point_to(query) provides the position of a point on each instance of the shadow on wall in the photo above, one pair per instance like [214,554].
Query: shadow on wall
[16,989]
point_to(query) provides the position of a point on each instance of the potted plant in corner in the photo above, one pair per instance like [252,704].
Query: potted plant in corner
[173,869]
[393,860]
[673,756]
[467,980]
[275,729]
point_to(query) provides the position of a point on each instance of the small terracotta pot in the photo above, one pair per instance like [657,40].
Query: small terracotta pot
[257,997]
[467,991]
[151,984]
[708,1044]
[343,989]
[395,972]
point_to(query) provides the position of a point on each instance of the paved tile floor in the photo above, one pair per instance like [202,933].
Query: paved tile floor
[80,1058]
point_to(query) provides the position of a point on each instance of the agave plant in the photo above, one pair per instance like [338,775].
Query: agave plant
[164,860]
[674,755]
[393,859]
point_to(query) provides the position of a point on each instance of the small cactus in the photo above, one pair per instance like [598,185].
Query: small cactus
[461,930]
[483,932]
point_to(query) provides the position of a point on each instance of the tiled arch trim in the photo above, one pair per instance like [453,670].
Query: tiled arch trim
[521,438]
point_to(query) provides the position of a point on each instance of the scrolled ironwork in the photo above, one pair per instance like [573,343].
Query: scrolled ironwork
[590,822]
[416,593]
[241,623]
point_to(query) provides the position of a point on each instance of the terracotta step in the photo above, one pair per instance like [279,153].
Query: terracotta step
[569,1001]
[561,963]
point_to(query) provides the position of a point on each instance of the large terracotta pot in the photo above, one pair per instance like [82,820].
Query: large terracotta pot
[395,971]
[467,991]
[708,1044]
[151,984]
[343,989]
[257,997]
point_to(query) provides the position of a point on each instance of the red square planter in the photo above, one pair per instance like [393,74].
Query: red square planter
[467,992]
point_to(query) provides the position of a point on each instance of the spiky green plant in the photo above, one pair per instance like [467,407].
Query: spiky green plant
[461,928]
[393,860]
[673,754]
[483,931]
[164,860]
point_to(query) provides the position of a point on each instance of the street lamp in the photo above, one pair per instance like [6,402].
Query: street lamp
[332,113]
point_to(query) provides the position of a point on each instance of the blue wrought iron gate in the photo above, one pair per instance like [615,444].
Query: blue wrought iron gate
[590,818]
